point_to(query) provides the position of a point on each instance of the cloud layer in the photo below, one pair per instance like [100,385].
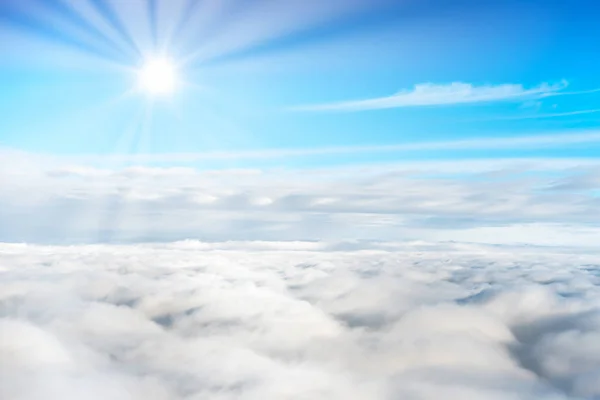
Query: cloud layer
[548,202]
[192,320]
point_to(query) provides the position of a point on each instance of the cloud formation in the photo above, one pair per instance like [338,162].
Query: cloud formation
[430,94]
[193,320]
[505,201]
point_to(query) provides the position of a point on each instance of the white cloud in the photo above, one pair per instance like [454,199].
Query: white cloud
[544,115]
[506,201]
[193,320]
[430,94]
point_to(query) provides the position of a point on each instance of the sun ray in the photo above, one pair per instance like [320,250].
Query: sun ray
[187,12]
[114,208]
[204,21]
[37,24]
[67,13]
[152,9]
[112,19]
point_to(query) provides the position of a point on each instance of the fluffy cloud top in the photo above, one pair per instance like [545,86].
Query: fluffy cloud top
[195,321]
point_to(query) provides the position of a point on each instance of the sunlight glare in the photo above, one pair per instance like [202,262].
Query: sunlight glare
[158,77]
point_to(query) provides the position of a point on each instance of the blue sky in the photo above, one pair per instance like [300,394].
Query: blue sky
[301,75]
[300,120]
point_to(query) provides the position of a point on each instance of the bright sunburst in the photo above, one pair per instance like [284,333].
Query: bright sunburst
[158,77]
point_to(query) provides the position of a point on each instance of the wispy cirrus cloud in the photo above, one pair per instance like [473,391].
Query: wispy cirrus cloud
[542,115]
[430,94]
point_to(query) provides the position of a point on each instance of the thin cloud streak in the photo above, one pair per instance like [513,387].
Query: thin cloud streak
[499,143]
[539,116]
[578,92]
[430,94]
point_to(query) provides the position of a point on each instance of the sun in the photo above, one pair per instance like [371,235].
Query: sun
[158,77]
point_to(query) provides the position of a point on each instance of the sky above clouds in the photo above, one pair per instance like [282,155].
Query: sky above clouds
[303,120]
[263,75]
[343,199]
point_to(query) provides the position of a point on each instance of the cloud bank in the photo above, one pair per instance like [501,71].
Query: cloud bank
[430,94]
[193,320]
[541,202]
